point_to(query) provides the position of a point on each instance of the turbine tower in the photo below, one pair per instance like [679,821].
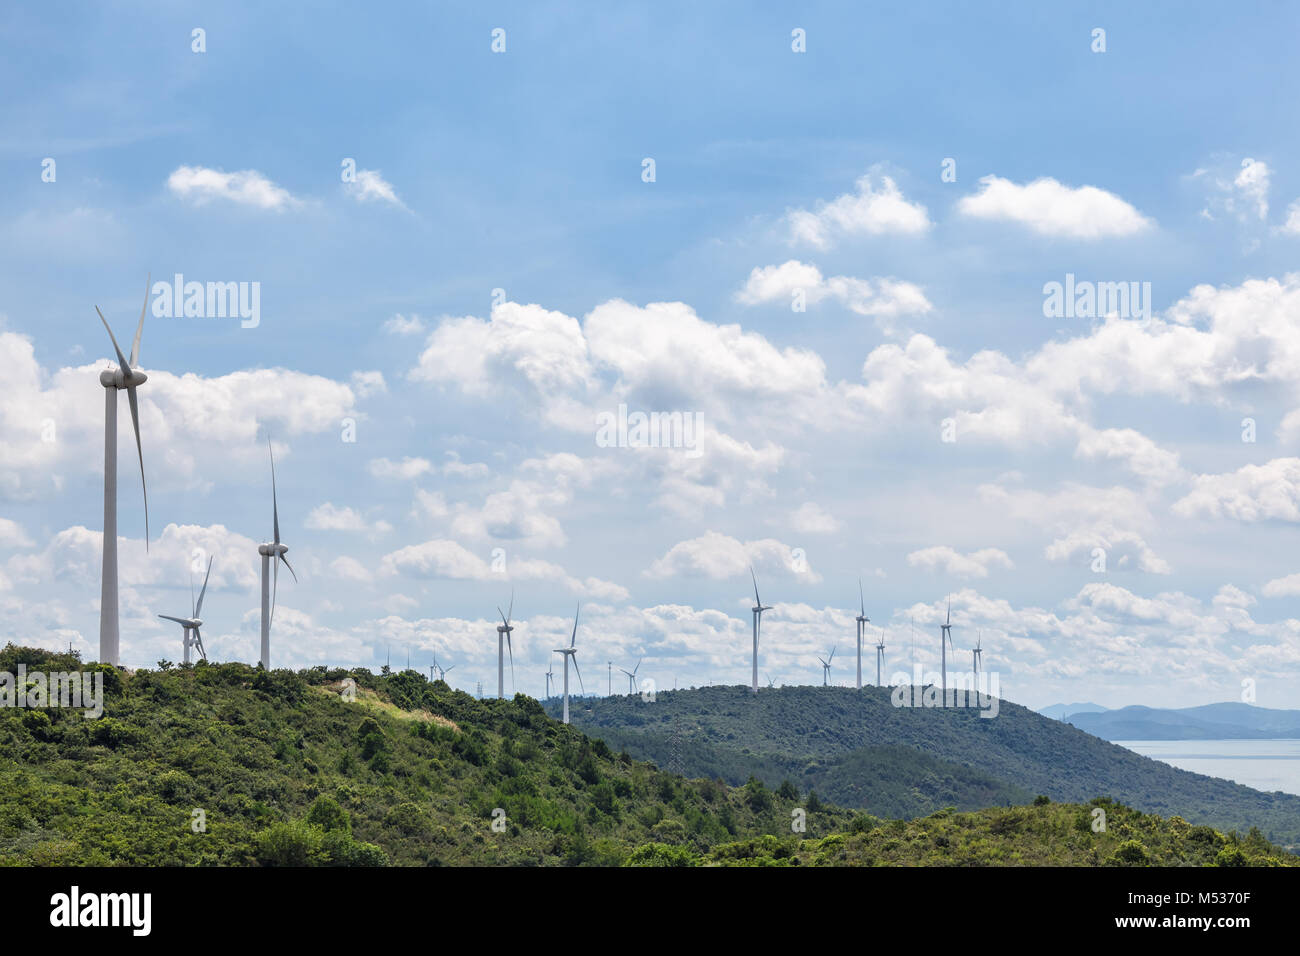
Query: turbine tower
[758,610]
[863,621]
[976,653]
[271,551]
[880,655]
[945,640]
[127,376]
[550,676]
[193,622]
[571,652]
[503,642]
[826,668]
[631,677]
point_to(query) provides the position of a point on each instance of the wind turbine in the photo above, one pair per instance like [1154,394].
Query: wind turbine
[127,376]
[503,642]
[880,655]
[550,674]
[976,653]
[863,621]
[758,610]
[571,652]
[271,551]
[770,682]
[631,677]
[609,678]
[826,668]
[945,640]
[193,622]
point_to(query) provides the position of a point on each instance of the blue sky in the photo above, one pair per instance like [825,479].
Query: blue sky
[1167,160]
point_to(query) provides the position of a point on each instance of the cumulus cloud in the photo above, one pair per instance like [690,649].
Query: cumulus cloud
[975,564]
[248,187]
[406,469]
[444,558]
[404,325]
[331,517]
[811,518]
[1050,208]
[877,208]
[719,556]
[1251,493]
[876,298]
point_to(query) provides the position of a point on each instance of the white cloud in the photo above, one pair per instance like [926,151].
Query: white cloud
[247,187]
[975,564]
[370,186]
[873,210]
[406,469]
[369,383]
[350,569]
[404,325]
[12,535]
[1288,586]
[879,298]
[719,556]
[1051,208]
[811,518]
[331,517]
[1249,494]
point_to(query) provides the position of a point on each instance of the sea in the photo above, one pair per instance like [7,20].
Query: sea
[1262,764]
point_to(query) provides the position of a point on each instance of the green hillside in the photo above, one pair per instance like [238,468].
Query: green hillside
[857,749]
[285,771]
[1044,834]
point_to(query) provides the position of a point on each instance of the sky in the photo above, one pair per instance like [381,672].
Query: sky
[824,237]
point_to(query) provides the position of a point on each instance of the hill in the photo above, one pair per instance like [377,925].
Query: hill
[280,769]
[1226,721]
[1062,711]
[1044,834]
[823,737]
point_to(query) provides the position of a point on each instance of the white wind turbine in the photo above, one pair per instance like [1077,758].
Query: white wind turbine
[863,621]
[631,677]
[571,652]
[127,376]
[271,551]
[976,653]
[945,641]
[758,610]
[826,668]
[193,622]
[880,655]
[503,642]
[550,675]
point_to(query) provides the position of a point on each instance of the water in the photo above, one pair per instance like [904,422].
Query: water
[1262,764]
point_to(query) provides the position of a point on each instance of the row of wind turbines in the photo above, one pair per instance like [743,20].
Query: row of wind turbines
[127,376]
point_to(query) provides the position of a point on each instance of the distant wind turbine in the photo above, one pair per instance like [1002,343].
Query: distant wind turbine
[271,551]
[976,653]
[550,675]
[631,677]
[769,682]
[758,610]
[945,641]
[127,376]
[826,668]
[571,652]
[863,621]
[190,625]
[880,655]
[503,642]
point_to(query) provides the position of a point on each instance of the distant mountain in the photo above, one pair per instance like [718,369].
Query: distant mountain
[1062,711]
[856,749]
[1227,721]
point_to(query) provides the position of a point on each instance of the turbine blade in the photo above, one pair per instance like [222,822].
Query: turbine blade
[198,609]
[510,649]
[275,505]
[573,641]
[511,611]
[135,346]
[755,580]
[198,639]
[121,359]
[168,617]
[578,672]
[862,598]
[503,617]
[290,567]
[135,423]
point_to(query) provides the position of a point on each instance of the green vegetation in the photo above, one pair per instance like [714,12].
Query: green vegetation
[285,772]
[225,764]
[1045,834]
[857,750]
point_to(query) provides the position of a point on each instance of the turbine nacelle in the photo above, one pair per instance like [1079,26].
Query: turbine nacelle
[270,549]
[122,378]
